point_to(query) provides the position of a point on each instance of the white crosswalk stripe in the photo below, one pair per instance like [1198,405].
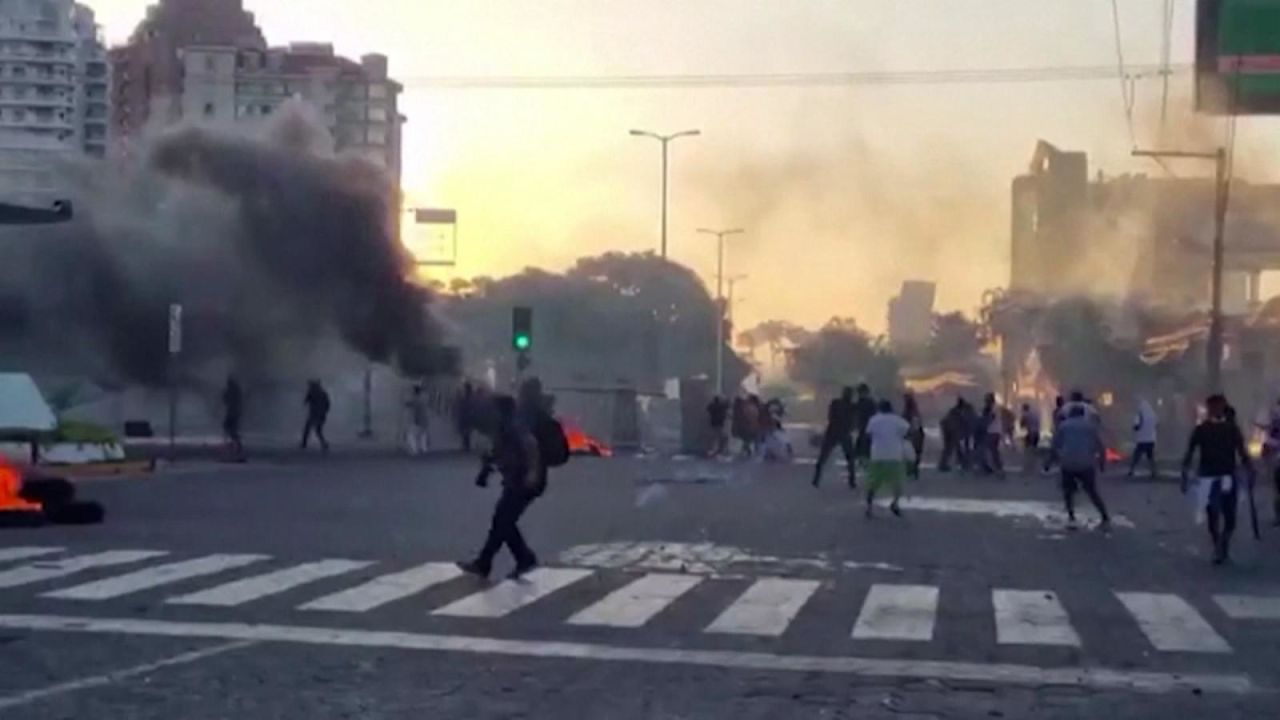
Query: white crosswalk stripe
[239,592]
[22,553]
[40,571]
[1171,624]
[637,603]
[898,612]
[386,589]
[511,595]
[1031,617]
[766,608]
[1249,607]
[153,577]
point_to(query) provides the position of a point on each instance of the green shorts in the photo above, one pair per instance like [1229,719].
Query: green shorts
[882,474]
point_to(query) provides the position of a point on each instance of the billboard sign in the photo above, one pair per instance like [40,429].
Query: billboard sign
[1238,57]
[433,239]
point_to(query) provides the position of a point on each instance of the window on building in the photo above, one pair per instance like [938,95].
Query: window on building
[377,114]
[210,63]
[378,91]
[209,109]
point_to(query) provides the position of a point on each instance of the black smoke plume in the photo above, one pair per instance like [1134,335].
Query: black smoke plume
[281,253]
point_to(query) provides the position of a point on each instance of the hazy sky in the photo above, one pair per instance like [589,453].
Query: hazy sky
[844,192]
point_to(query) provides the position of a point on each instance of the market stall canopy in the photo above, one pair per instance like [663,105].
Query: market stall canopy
[22,407]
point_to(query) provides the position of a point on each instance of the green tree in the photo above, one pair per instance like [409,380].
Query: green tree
[843,354]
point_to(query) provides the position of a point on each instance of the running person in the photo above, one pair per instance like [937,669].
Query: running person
[1081,453]
[1220,443]
[1144,437]
[1030,421]
[887,437]
[911,413]
[840,424]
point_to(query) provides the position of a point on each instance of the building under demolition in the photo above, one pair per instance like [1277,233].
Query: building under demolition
[1137,236]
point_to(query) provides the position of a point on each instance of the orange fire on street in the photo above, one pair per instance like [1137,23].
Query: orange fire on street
[10,487]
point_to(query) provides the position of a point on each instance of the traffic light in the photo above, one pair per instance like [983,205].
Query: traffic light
[522,329]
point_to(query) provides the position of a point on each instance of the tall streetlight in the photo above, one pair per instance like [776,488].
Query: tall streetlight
[665,140]
[720,236]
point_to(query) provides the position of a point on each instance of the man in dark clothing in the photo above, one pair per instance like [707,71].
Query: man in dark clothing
[515,456]
[1219,442]
[317,402]
[464,414]
[986,437]
[1055,420]
[864,408]
[1081,453]
[717,416]
[841,420]
[233,408]
[953,430]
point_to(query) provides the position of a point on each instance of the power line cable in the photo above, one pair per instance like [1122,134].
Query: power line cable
[976,76]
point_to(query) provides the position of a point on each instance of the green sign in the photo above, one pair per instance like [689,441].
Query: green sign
[1238,57]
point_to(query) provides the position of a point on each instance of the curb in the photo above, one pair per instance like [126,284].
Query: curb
[107,469]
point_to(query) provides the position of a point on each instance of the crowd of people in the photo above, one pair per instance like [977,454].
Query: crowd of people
[756,426]
[888,444]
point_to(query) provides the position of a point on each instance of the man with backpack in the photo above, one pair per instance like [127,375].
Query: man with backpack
[527,442]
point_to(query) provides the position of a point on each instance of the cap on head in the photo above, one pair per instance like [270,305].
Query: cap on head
[1077,396]
[885,406]
[864,389]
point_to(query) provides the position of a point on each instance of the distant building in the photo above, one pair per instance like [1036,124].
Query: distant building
[53,95]
[1137,236]
[911,315]
[207,61]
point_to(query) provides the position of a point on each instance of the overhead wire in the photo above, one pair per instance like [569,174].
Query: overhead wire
[1060,73]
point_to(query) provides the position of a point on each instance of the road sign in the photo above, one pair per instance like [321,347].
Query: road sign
[1238,57]
[175,329]
[433,239]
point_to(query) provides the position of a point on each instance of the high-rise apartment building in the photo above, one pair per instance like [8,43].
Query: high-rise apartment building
[53,98]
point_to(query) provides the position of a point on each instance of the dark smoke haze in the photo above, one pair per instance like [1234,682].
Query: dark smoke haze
[282,254]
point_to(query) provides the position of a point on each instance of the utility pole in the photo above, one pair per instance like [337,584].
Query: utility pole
[720,307]
[1222,196]
[665,140]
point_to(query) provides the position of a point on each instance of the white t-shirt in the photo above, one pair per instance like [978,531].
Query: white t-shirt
[888,433]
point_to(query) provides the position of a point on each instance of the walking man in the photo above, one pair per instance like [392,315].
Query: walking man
[233,409]
[986,437]
[515,456]
[1059,414]
[864,409]
[1271,452]
[911,413]
[1030,421]
[718,416]
[1220,444]
[317,402]
[1081,452]
[1144,437]
[840,426]
[887,436]
[418,434]
[953,434]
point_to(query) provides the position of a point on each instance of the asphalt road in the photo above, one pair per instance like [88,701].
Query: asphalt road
[322,588]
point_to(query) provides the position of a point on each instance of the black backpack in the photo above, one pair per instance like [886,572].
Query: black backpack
[553,446]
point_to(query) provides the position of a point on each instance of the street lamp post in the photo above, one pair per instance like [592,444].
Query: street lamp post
[665,140]
[720,236]
[1222,196]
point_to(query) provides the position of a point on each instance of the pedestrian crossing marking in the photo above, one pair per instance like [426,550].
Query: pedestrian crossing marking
[898,612]
[511,595]
[766,608]
[22,553]
[1171,624]
[48,570]
[1249,607]
[1032,617]
[152,577]
[637,603]
[239,592]
[386,589]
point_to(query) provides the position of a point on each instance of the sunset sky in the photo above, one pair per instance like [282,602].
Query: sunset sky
[844,192]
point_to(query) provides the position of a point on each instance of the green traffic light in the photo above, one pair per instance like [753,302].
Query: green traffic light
[523,342]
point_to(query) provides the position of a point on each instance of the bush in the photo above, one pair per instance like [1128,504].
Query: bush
[72,431]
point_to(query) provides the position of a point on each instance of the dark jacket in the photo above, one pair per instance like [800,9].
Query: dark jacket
[1220,443]
[841,417]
